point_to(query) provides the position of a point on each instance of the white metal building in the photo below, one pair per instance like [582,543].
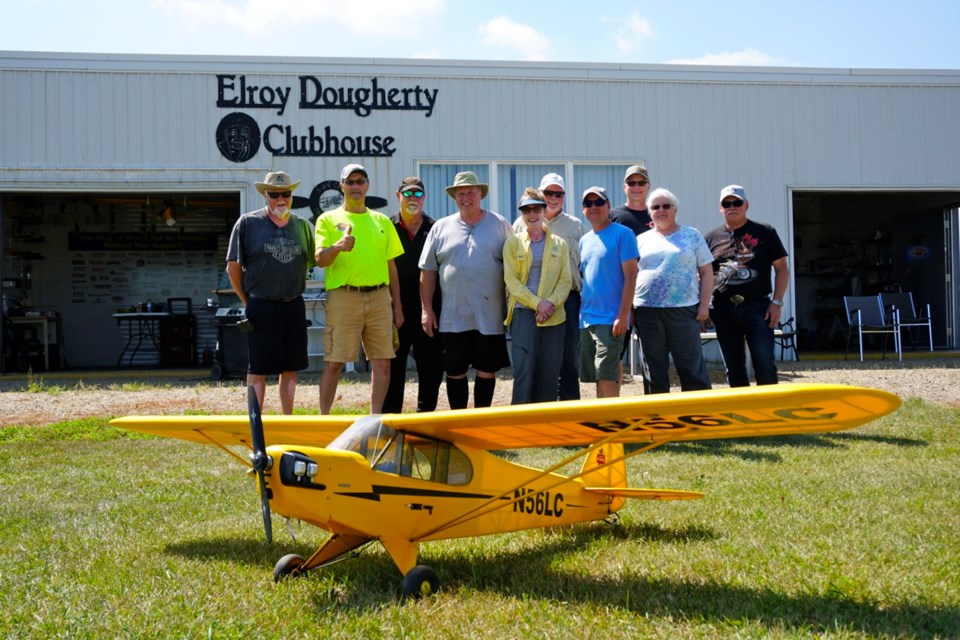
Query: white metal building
[858,169]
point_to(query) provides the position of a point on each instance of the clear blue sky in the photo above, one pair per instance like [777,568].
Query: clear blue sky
[922,34]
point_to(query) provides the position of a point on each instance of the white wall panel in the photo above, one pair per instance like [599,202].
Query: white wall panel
[128,123]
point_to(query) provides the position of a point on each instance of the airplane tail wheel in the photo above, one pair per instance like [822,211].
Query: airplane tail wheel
[420,581]
[286,566]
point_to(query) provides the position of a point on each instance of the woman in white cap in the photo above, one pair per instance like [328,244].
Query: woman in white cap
[536,269]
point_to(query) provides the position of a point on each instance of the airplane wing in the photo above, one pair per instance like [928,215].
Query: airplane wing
[226,430]
[697,415]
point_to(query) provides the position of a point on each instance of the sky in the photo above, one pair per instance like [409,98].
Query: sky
[862,34]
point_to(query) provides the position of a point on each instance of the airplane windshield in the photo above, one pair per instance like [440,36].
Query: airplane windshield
[404,454]
[367,436]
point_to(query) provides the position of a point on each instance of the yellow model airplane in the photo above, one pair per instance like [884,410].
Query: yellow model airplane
[404,479]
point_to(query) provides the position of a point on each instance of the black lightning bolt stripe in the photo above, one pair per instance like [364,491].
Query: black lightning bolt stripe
[387,490]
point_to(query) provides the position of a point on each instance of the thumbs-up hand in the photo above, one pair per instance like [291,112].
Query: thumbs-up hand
[347,241]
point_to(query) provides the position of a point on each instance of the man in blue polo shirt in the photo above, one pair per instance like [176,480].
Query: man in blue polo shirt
[608,265]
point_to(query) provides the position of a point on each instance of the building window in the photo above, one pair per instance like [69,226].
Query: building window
[510,179]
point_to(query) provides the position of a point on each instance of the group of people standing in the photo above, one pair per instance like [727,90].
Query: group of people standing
[450,291]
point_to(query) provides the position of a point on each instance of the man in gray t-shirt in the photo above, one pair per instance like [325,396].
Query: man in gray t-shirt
[268,255]
[463,255]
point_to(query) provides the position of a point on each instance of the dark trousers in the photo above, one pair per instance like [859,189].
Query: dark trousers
[666,332]
[568,387]
[428,355]
[537,354]
[737,324]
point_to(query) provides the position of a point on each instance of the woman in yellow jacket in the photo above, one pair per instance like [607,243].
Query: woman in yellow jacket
[536,269]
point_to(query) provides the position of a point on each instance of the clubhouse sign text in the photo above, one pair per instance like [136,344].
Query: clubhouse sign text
[239,135]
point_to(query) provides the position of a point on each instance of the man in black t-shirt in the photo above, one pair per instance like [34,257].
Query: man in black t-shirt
[744,252]
[633,214]
[412,226]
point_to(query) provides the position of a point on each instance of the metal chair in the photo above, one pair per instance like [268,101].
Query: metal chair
[907,314]
[785,337]
[865,315]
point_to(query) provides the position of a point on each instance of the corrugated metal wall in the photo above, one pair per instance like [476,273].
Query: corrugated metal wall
[76,123]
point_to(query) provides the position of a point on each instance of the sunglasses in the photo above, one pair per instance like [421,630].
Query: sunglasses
[410,193]
[279,194]
[657,207]
[636,183]
[593,203]
[727,204]
[532,208]
[348,181]
[553,194]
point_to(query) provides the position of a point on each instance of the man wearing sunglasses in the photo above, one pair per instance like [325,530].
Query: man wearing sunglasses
[634,214]
[268,256]
[608,266]
[571,229]
[413,225]
[357,247]
[744,251]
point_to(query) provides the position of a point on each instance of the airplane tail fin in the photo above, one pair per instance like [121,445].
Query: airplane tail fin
[599,472]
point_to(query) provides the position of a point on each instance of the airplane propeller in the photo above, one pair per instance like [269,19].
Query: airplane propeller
[259,458]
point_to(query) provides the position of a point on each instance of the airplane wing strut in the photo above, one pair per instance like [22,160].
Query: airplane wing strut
[497,502]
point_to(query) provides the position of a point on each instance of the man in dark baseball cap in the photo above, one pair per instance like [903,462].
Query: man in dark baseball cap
[413,226]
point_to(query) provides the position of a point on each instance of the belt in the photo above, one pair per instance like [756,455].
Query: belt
[375,287]
[739,299]
[271,299]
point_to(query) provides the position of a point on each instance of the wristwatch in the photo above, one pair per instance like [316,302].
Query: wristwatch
[779,303]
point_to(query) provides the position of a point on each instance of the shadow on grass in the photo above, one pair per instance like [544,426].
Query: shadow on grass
[243,551]
[753,449]
[703,599]
[365,586]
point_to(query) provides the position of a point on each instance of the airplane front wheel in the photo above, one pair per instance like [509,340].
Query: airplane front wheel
[286,566]
[420,581]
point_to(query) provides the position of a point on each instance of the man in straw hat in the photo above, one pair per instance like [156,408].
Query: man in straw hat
[463,255]
[268,256]
[357,247]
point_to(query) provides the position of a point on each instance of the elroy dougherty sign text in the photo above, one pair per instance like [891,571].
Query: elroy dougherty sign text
[240,136]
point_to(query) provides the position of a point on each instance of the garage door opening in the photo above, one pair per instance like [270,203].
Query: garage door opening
[76,259]
[865,243]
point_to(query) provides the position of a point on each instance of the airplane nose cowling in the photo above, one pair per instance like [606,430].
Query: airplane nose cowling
[298,491]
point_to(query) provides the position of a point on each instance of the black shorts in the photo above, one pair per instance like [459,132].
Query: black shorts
[472,348]
[278,341]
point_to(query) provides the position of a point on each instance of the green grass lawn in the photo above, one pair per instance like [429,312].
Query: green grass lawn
[105,534]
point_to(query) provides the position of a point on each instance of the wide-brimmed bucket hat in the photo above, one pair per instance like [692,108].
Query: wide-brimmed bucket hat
[467,179]
[277,181]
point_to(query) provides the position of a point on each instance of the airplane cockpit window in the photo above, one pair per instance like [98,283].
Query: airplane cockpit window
[404,454]
[368,437]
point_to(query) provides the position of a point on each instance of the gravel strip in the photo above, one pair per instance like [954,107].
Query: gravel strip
[69,398]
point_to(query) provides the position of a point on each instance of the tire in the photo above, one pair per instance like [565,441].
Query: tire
[287,565]
[216,372]
[420,581]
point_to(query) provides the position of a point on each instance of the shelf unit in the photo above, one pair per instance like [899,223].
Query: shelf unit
[842,267]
